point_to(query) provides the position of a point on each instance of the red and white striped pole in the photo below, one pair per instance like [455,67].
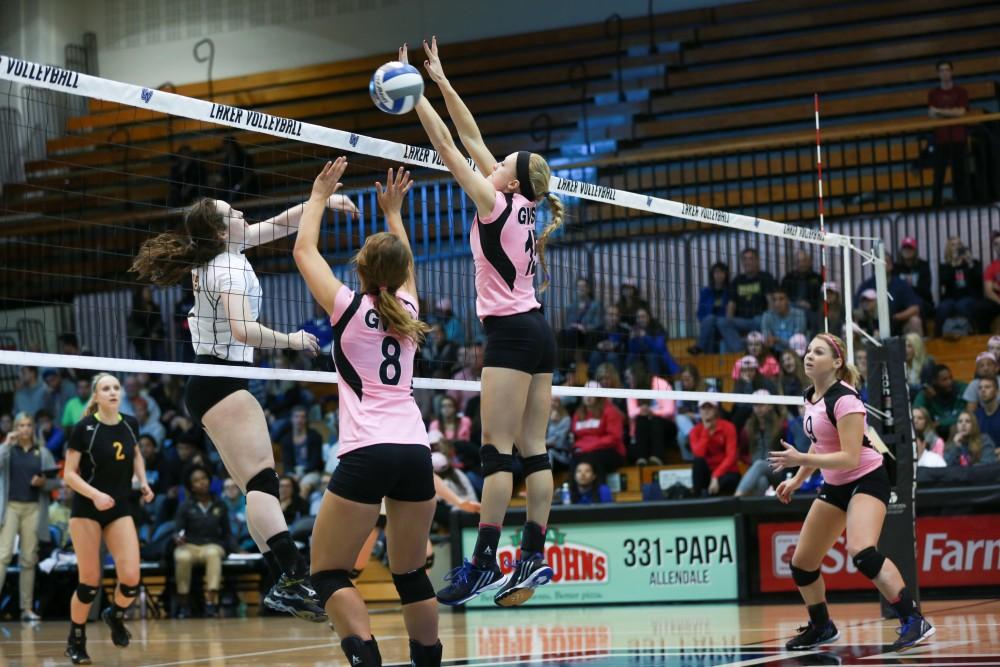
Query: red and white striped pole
[822,225]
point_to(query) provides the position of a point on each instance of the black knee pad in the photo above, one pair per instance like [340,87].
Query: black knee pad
[86,594]
[266,481]
[803,577]
[537,463]
[425,656]
[413,586]
[494,461]
[128,591]
[328,582]
[869,562]
[361,653]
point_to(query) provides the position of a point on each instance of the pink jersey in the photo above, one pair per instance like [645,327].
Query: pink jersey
[376,376]
[826,439]
[503,247]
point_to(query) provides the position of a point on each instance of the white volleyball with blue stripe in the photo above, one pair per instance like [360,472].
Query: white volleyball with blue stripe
[396,87]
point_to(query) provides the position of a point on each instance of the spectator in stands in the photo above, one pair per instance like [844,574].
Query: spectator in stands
[861,363]
[27,479]
[961,279]
[986,366]
[239,179]
[69,344]
[455,480]
[919,365]
[60,510]
[587,486]
[29,395]
[51,436]
[147,425]
[747,301]
[993,346]
[58,392]
[236,508]
[557,439]
[439,354]
[471,357]
[581,319]
[967,446]
[145,325]
[991,285]
[767,365]
[73,411]
[158,475]
[942,398]
[187,178]
[452,424]
[712,302]
[281,398]
[904,304]
[804,287]
[835,318]
[750,380]
[608,377]
[611,345]
[988,409]
[945,102]
[763,433]
[598,433]
[203,538]
[652,426]
[792,378]
[290,498]
[445,316]
[648,343]
[799,344]
[715,448]
[782,321]
[301,446]
[630,302]
[133,389]
[687,415]
[916,272]
[930,446]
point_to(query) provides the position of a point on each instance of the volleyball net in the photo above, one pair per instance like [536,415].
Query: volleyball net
[82,192]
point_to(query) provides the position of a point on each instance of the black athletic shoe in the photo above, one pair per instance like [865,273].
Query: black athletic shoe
[810,637]
[467,581]
[294,596]
[76,651]
[522,582]
[914,630]
[361,653]
[119,633]
[425,656]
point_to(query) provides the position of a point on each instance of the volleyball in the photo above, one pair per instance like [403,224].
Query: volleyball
[395,87]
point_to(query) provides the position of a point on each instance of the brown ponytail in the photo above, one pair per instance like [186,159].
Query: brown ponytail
[540,174]
[383,265]
[166,258]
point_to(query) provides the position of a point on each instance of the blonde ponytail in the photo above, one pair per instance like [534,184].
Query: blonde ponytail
[558,212]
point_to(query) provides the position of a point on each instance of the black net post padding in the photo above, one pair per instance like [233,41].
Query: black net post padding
[888,394]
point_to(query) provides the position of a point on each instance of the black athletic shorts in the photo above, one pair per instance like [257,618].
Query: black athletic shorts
[368,474]
[83,508]
[523,342]
[202,393]
[876,483]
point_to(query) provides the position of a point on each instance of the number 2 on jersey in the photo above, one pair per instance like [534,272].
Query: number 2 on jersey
[529,247]
[119,451]
[390,361]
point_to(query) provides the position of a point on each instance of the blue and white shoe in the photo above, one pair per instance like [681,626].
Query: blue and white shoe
[468,581]
[521,583]
[914,630]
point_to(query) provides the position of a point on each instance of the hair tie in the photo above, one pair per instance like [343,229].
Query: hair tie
[382,288]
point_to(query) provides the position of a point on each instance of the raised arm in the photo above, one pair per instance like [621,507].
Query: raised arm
[287,222]
[390,200]
[319,278]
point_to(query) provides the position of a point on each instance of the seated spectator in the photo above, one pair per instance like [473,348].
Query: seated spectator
[131,390]
[301,446]
[712,302]
[203,538]
[158,475]
[991,287]
[581,320]
[652,427]
[29,396]
[750,380]
[861,363]
[58,392]
[587,487]
[927,439]
[767,365]
[967,446]
[557,440]
[961,310]
[799,344]
[988,409]
[762,434]
[943,399]
[715,448]
[611,344]
[986,366]
[147,425]
[438,354]
[452,425]
[73,411]
[791,381]
[455,480]
[445,316]
[60,512]
[782,321]
[168,392]
[145,328]
[904,304]
[689,379]
[648,343]
[916,272]
[290,498]
[598,433]
[919,365]
[608,377]
[236,507]
[471,358]
[53,437]
[835,317]
[804,288]
[630,302]
[747,301]
[239,178]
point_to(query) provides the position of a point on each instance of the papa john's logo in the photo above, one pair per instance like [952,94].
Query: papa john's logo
[571,563]
[783,548]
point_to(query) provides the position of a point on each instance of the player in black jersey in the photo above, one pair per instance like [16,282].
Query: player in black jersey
[102,458]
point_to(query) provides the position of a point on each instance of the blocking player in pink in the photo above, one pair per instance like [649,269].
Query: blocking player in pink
[384,452]
[520,350]
[854,496]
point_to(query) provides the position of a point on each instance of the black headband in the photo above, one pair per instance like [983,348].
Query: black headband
[523,175]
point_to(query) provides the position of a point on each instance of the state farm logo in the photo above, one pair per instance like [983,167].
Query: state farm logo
[571,563]
[783,545]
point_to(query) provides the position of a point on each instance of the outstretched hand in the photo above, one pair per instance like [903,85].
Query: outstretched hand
[433,63]
[788,457]
[390,198]
[328,180]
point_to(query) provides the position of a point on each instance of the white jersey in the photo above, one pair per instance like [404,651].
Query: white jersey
[210,333]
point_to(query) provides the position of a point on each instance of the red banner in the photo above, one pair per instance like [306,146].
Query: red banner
[951,551]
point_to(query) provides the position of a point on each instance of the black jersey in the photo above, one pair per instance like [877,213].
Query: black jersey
[107,453]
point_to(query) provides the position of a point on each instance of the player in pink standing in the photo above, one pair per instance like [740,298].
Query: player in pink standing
[520,350]
[384,452]
[854,496]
